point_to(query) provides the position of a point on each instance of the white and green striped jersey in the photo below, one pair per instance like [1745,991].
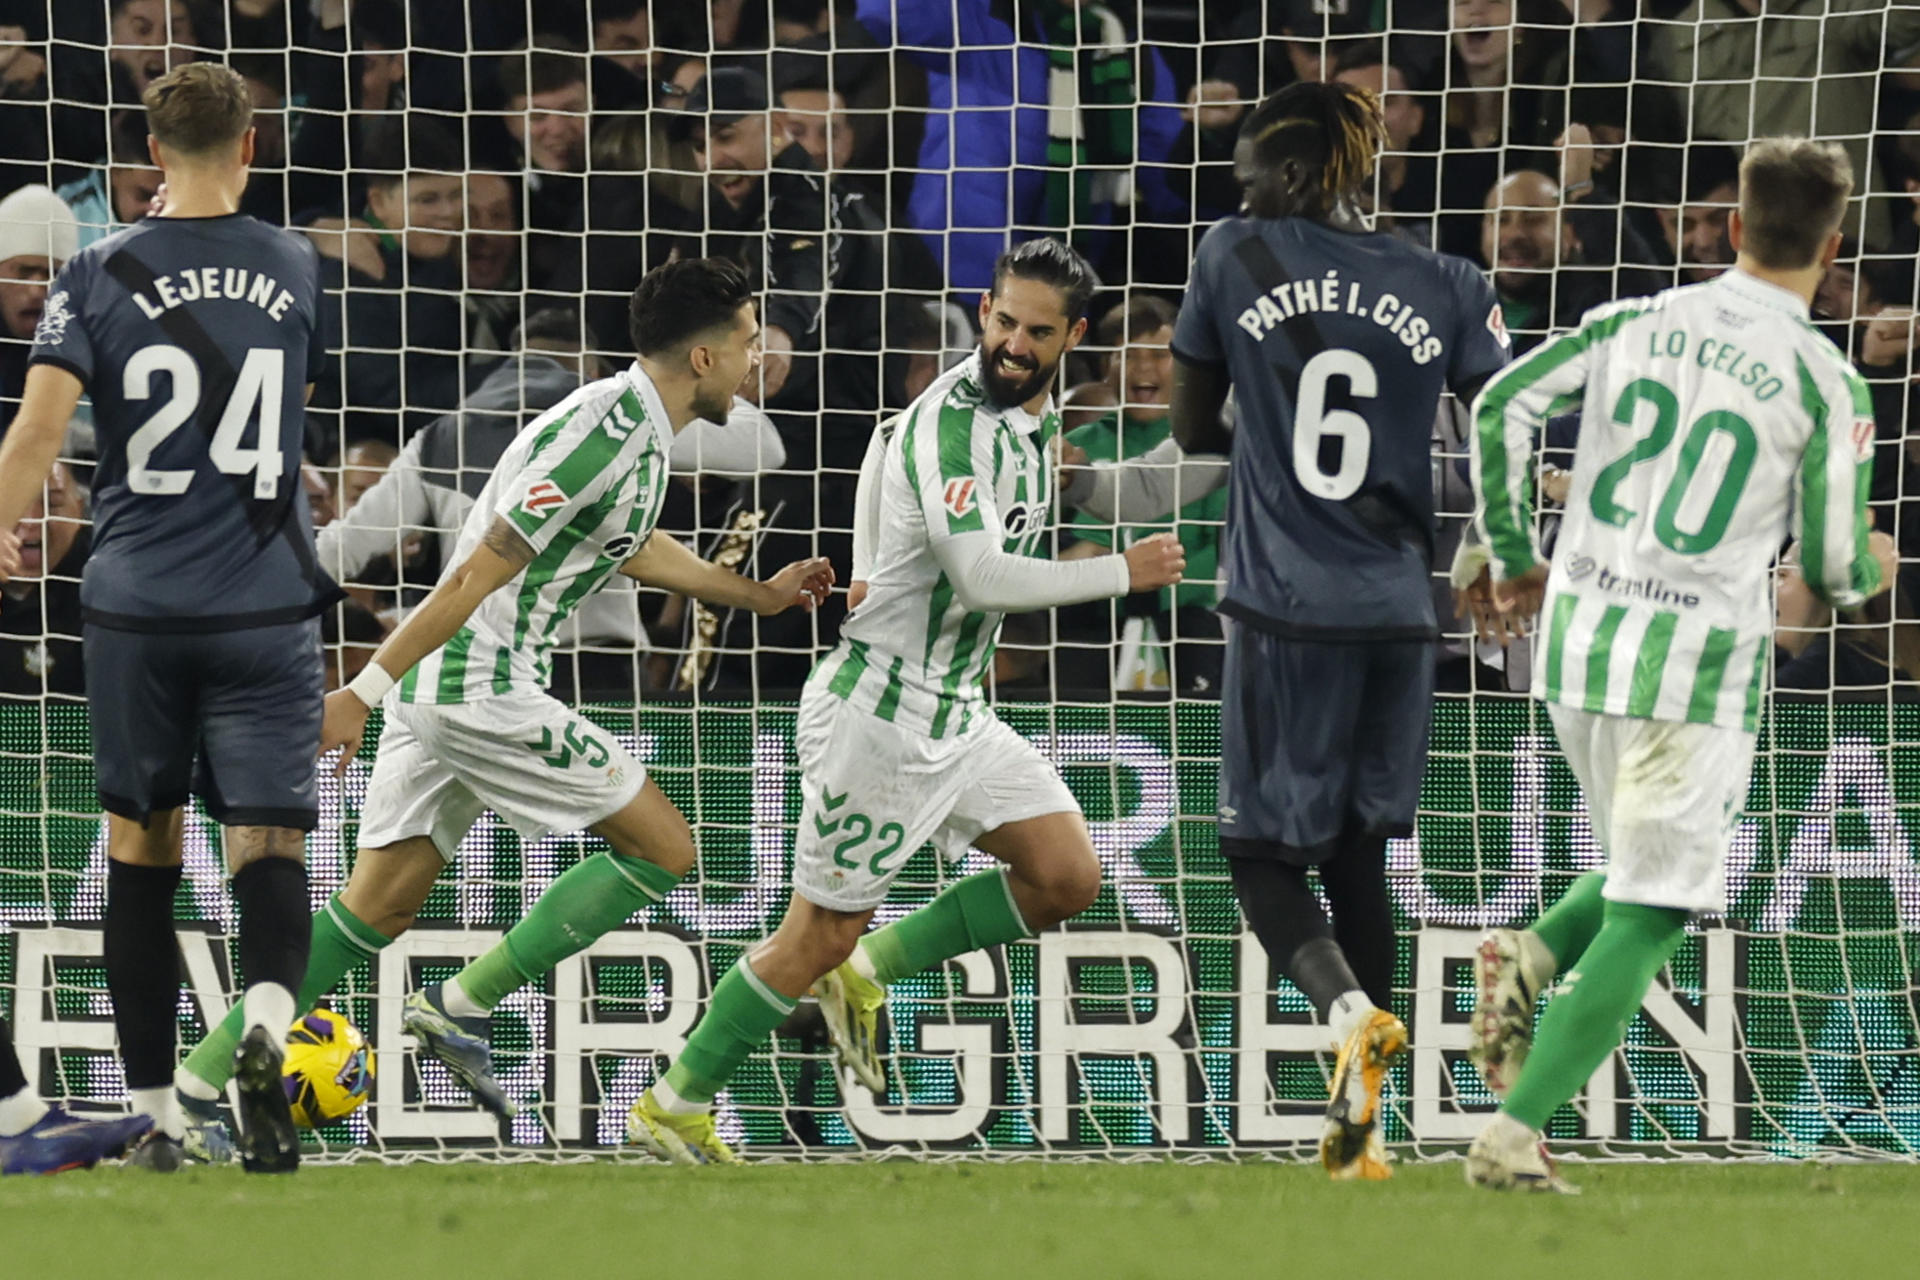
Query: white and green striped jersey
[583,484]
[1712,417]
[964,485]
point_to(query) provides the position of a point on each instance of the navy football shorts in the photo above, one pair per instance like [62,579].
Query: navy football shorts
[231,716]
[1319,739]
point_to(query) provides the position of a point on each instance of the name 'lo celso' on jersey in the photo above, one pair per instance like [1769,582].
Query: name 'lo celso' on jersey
[1713,418]
[583,484]
[195,339]
[1339,345]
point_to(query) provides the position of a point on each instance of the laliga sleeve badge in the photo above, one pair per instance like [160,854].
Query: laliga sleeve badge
[958,498]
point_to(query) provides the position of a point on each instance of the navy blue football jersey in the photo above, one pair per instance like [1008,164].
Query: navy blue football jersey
[195,339]
[1338,345]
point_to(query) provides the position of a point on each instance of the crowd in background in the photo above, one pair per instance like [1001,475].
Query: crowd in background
[485,181]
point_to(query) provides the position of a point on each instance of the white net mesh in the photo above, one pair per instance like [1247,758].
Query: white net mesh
[483,213]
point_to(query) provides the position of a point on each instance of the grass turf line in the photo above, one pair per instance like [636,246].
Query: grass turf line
[927,1222]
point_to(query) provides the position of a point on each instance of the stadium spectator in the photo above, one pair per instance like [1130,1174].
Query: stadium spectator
[1407,195]
[492,245]
[1066,103]
[547,104]
[623,34]
[1818,650]
[392,309]
[1695,231]
[348,76]
[40,621]
[361,467]
[38,234]
[1087,402]
[107,199]
[1552,258]
[146,39]
[815,116]
[1804,68]
[24,125]
[266,195]
[826,258]
[1139,334]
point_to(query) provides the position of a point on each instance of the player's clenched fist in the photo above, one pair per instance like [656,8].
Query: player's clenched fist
[1152,563]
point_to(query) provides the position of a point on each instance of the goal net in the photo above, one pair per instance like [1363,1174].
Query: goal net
[486,181]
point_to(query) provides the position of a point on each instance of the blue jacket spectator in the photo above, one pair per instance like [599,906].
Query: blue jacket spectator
[980,136]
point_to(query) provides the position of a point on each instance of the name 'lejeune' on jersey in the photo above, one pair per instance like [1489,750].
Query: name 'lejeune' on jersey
[1338,344]
[196,339]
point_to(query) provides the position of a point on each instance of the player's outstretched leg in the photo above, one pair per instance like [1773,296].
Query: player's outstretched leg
[270,884]
[143,973]
[37,1138]
[652,851]
[1280,905]
[386,889]
[1584,1023]
[1513,966]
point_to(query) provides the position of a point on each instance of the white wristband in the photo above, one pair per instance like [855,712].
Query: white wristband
[371,685]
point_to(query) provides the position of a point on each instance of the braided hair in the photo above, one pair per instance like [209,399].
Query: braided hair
[1308,148]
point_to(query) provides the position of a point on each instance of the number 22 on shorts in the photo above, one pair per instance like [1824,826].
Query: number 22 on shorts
[856,830]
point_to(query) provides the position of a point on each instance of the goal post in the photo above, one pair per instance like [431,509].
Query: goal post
[1153,1023]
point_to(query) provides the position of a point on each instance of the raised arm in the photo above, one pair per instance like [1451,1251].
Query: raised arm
[1142,489]
[950,462]
[378,523]
[664,562]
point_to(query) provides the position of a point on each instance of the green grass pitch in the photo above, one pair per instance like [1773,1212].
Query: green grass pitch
[922,1222]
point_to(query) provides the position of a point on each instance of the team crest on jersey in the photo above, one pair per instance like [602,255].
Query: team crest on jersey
[620,546]
[1863,433]
[958,498]
[542,498]
[1497,326]
[52,329]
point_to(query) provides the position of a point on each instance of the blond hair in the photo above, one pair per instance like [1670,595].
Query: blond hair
[1793,193]
[198,109]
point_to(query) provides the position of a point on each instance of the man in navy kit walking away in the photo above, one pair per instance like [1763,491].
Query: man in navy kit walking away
[193,332]
[1337,342]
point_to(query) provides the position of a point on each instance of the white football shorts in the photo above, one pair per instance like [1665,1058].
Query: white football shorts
[873,793]
[537,763]
[1665,798]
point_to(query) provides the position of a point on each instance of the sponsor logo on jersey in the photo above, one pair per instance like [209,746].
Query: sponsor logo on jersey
[54,319]
[1581,567]
[1497,326]
[958,498]
[1020,518]
[1650,589]
[542,498]
[1862,439]
[620,546]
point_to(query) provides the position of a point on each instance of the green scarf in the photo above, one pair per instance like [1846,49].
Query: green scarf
[1091,98]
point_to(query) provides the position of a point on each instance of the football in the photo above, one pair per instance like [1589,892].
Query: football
[329,1068]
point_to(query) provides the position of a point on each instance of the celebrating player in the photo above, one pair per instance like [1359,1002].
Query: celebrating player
[895,741]
[1338,343]
[1711,412]
[470,725]
[192,331]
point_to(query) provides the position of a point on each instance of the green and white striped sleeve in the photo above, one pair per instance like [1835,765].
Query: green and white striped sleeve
[1507,418]
[573,461]
[1831,487]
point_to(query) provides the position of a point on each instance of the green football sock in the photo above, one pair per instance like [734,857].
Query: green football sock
[977,912]
[1570,924]
[742,1014]
[1588,1019]
[595,896]
[341,940]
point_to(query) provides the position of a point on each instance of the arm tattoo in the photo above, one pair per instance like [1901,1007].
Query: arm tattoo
[505,541]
